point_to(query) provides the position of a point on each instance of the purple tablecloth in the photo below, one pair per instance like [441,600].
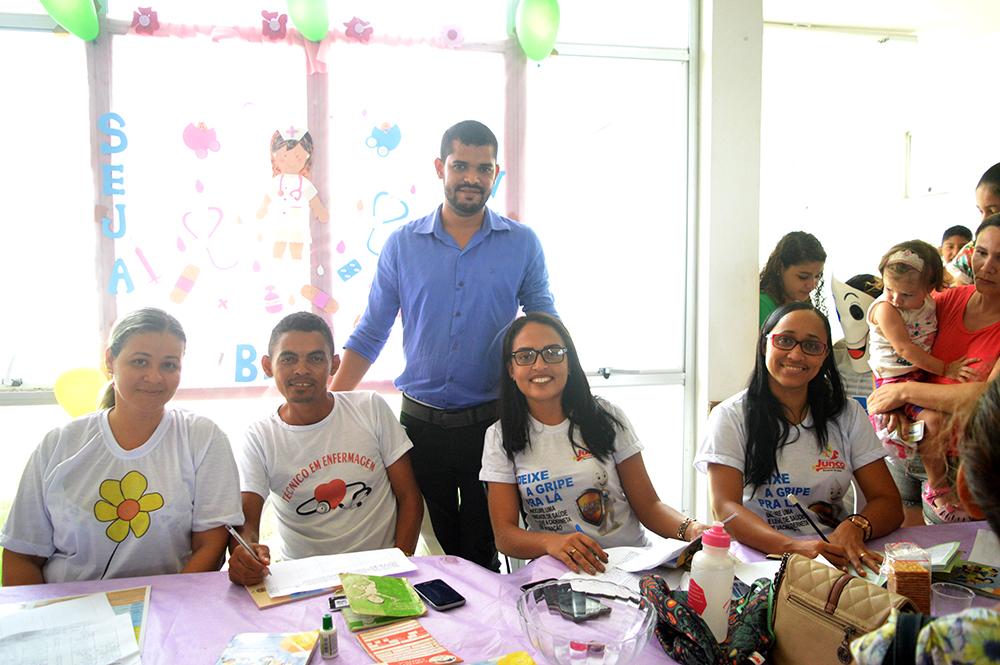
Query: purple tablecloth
[925,536]
[192,617]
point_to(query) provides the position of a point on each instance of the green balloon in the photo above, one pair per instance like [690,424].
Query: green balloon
[76,16]
[310,17]
[536,24]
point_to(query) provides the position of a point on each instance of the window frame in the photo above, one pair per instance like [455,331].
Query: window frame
[99,67]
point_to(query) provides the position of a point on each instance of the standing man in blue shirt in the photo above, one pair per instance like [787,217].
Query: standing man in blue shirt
[458,276]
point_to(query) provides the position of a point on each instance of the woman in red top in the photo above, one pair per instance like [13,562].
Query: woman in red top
[968,325]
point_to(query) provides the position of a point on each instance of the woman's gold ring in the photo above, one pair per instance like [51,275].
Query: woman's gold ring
[571,551]
[862,555]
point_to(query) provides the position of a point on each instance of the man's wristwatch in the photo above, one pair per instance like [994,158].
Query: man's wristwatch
[863,523]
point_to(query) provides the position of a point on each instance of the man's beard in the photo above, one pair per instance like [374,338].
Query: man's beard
[466,208]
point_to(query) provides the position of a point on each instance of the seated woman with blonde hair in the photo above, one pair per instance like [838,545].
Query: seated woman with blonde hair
[134,489]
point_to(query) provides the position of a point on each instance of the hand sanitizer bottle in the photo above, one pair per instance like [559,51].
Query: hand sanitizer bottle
[711,588]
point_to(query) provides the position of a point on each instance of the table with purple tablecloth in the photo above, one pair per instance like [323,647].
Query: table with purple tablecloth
[925,536]
[192,617]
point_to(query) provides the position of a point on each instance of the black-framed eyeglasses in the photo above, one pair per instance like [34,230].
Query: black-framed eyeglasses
[553,354]
[810,347]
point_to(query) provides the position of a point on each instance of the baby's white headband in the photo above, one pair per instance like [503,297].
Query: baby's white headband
[906,257]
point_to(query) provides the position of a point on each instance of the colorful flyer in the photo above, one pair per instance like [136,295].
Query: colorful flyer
[405,643]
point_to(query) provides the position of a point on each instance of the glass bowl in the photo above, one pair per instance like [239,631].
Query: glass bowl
[586,622]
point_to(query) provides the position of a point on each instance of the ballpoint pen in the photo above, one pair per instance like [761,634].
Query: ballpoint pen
[246,546]
[795,502]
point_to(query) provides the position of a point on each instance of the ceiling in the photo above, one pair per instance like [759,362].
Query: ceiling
[905,15]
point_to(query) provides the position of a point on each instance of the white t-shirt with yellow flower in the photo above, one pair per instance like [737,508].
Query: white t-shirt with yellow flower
[94,510]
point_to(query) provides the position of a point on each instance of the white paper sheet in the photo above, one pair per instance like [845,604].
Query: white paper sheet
[986,549]
[321,572]
[103,642]
[750,572]
[94,607]
[615,575]
[634,559]
[942,553]
[878,579]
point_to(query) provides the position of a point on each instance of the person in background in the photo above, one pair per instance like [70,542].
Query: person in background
[793,273]
[987,203]
[570,460]
[134,489]
[336,465]
[973,635]
[968,325]
[457,276]
[903,325]
[793,433]
[954,238]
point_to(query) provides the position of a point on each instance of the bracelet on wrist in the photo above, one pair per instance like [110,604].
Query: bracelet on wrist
[863,523]
[682,529]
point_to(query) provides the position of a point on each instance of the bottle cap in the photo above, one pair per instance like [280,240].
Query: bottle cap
[716,536]
[327,622]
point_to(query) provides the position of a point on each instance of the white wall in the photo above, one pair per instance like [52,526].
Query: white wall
[867,142]
[728,184]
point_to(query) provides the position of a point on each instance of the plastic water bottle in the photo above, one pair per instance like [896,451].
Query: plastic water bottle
[711,588]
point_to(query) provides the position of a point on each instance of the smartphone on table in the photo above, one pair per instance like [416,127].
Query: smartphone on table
[439,595]
[578,606]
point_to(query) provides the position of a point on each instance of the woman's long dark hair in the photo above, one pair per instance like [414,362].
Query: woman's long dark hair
[768,430]
[794,248]
[585,412]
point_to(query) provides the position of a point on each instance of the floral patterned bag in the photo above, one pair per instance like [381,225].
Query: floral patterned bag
[686,637]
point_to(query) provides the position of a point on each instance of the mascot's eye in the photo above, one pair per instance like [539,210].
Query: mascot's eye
[857,312]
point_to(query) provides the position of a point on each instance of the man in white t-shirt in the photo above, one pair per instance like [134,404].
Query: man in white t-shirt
[336,465]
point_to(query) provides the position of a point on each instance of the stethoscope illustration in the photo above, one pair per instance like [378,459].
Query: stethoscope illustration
[295,194]
[321,507]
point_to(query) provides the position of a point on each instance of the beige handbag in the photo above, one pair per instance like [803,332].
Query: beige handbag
[819,611]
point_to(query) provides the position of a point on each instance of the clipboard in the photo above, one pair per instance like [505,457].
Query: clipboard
[258,593]
[325,569]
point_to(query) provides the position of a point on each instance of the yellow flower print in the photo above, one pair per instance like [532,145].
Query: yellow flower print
[125,505]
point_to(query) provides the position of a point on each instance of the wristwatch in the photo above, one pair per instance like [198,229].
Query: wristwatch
[863,523]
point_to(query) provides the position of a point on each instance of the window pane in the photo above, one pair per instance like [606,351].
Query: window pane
[23,428]
[606,191]
[199,116]
[483,20]
[657,415]
[49,233]
[215,12]
[388,111]
[23,7]
[625,23]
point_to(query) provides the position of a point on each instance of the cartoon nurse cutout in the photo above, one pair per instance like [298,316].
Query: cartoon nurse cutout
[292,192]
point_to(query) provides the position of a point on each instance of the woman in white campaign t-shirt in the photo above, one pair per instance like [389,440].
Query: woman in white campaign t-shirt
[570,461]
[136,488]
[793,433]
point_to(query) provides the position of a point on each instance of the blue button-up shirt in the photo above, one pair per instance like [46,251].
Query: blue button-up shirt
[456,305]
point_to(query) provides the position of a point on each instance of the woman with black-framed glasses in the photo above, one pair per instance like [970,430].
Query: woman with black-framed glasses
[571,461]
[793,437]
